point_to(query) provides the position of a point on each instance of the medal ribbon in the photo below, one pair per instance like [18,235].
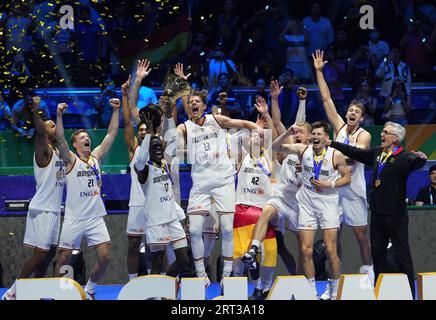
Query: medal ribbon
[164,168]
[261,165]
[317,163]
[384,157]
[93,166]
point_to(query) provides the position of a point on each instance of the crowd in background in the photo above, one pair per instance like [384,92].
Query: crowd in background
[234,43]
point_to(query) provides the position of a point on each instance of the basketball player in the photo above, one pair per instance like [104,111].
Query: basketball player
[323,170]
[212,176]
[352,198]
[162,222]
[284,202]
[43,217]
[136,218]
[84,208]
[253,191]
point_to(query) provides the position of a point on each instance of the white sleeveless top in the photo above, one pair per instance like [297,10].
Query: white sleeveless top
[83,193]
[137,197]
[289,179]
[159,204]
[254,185]
[50,182]
[358,183]
[328,172]
[207,152]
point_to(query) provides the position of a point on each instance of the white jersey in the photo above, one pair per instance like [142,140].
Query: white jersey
[289,178]
[83,192]
[358,183]
[159,204]
[50,182]
[254,185]
[137,197]
[327,173]
[207,152]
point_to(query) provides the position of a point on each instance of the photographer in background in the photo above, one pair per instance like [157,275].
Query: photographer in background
[23,115]
[219,64]
[5,113]
[103,107]
[226,99]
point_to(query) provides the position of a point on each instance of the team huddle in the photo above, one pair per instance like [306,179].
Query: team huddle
[250,182]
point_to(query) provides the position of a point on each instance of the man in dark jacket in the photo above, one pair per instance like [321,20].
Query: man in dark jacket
[389,219]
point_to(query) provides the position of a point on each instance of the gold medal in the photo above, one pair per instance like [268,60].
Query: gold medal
[377,183]
[59,175]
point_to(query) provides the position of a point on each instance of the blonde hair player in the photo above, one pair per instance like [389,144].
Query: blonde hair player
[43,218]
[253,191]
[352,198]
[84,208]
[323,169]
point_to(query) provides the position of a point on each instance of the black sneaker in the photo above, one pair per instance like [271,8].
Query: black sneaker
[265,295]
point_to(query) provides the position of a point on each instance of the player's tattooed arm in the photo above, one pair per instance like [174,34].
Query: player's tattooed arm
[142,71]
[43,152]
[112,131]
[129,131]
[67,156]
[335,119]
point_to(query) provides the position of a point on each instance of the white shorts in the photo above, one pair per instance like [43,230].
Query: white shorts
[42,229]
[94,230]
[180,212]
[162,234]
[317,211]
[212,223]
[353,212]
[224,194]
[288,209]
[136,221]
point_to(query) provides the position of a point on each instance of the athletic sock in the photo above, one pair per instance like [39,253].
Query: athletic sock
[132,276]
[334,288]
[312,284]
[257,283]
[227,268]
[90,286]
[199,268]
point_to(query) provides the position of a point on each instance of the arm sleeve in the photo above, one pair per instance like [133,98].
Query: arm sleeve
[143,154]
[414,162]
[365,156]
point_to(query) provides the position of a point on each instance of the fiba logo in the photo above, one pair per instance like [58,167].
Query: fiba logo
[367,20]
[67,20]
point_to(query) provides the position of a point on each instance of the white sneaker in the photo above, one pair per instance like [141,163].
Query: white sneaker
[8,296]
[368,270]
[90,295]
[327,295]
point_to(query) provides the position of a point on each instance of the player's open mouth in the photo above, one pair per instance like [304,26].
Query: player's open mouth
[315,141]
[195,110]
[87,144]
[298,141]
[351,119]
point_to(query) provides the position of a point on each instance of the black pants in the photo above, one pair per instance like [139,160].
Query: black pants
[383,228]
